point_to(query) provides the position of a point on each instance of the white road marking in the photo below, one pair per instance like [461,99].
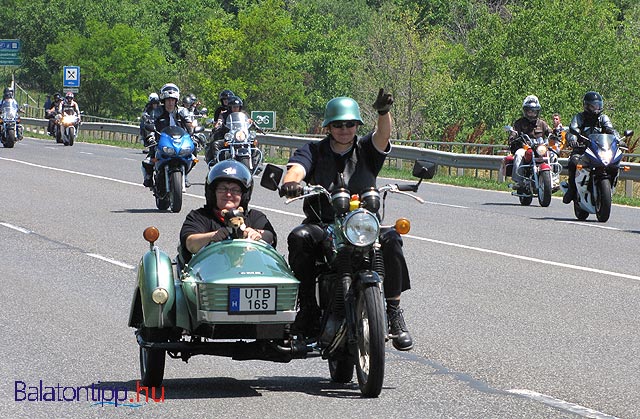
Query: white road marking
[561,404]
[84,152]
[445,205]
[113,261]
[590,225]
[127,158]
[20,229]
[528,259]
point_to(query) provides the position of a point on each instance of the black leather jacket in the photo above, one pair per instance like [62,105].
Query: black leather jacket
[585,124]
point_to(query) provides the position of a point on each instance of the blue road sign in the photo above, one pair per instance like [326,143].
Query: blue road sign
[71,75]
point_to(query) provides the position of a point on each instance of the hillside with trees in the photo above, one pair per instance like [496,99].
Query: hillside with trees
[459,69]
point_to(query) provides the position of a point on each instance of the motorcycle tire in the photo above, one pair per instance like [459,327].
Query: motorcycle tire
[152,361]
[341,370]
[371,333]
[525,200]
[603,202]
[175,192]
[544,188]
[72,135]
[10,139]
[579,212]
[58,133]
[162,204]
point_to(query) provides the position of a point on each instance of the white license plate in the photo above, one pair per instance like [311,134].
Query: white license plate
[246,300]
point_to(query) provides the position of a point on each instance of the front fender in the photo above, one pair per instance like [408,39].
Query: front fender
[155,270]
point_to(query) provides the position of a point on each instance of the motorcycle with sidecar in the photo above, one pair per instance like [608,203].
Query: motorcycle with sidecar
[238,298]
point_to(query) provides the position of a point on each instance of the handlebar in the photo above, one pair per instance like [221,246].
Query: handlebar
[313,190]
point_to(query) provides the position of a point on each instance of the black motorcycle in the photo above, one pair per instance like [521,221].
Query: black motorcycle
[354,326]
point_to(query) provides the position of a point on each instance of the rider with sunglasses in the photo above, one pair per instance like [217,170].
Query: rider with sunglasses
[339,157]
[228,187]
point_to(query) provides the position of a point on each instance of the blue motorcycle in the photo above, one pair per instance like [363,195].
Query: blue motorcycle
[173,160]
[597,175]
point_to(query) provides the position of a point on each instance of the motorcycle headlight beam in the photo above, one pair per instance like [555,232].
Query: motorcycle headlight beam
[541,150]
[361,228]
[169,151]
[160,296]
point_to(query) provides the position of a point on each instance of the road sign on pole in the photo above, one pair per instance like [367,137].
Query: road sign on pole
[71,76]
[264,119]
[10,52]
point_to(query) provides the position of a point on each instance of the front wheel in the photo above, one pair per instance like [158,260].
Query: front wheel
[370,334]
[72,135]
[525,200]
[544,188]
[603,202]
[58,132]
[152,360]
[175,191]
[10,139]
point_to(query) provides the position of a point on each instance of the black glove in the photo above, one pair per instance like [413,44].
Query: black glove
[220,235]
[622,144]
[292,189]
[383,102]
[574,143]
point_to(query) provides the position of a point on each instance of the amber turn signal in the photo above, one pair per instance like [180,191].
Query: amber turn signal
[579,167]
[403,225]
[626,168]
[151,234]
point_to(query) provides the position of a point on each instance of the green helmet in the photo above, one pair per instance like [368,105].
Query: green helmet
[341,109]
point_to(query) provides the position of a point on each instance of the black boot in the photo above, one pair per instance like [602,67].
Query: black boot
[307,320]
[570,195]
[400,336]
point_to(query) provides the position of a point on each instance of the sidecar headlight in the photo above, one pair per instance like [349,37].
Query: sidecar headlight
[169,151]
[159,295]
[361,228]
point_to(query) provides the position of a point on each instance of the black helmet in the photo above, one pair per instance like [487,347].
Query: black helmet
[592,103]
[230,170]
[531,107]
[57,97]
[7,93]
[187,101]
[225,94]
[234,101]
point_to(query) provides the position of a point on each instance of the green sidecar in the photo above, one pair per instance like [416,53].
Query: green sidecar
[235,298]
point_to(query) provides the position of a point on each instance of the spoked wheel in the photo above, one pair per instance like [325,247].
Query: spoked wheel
[341,370]
[579,212]
[544,188]
[370,331]
[603,202]
[175,193]
[152,360]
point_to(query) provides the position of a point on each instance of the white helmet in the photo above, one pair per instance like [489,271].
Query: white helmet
[531,107]
[170,90]
[153,97]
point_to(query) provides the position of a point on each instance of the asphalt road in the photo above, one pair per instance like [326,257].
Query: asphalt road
[516,312]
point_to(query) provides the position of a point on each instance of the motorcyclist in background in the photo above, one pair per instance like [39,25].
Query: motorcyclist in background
[7,94]
[590,121]
[50,114]
[234,104]
[167,115]
[69,106]
[8,100]
[148,116]
[531,124]
[224,97]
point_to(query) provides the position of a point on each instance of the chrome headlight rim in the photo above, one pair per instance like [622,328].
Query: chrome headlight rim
[542,150]
[361,228]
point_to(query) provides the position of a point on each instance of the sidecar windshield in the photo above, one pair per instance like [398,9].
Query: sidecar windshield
[237,121]
[603,141]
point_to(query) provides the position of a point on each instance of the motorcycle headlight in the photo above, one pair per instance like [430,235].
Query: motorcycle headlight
[541,150]
[606,156]
[361,228]
[186,150]
[169,151]
[241,136]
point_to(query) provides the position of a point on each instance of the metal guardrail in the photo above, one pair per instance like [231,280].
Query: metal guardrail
[129,133]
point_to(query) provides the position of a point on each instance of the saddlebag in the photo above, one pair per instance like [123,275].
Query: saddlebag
[507,165]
